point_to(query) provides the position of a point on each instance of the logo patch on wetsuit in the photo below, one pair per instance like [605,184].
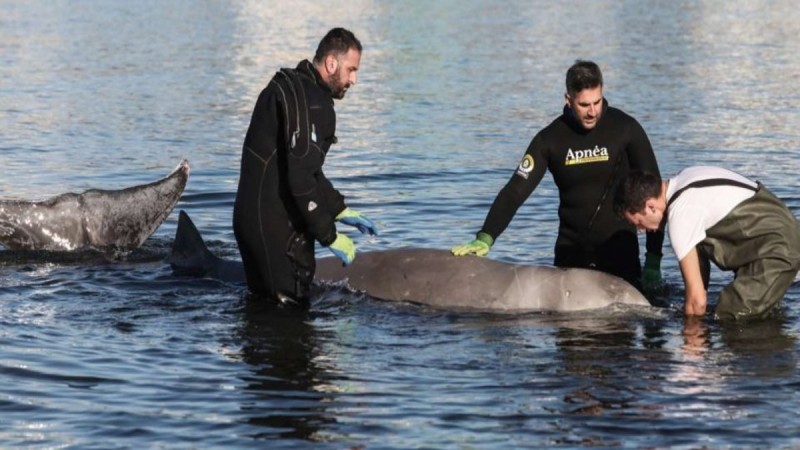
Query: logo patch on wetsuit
[590,155]
[525,166]
[311,206]
[313,133]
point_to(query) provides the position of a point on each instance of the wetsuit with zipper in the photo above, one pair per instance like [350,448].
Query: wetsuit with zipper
[284,201]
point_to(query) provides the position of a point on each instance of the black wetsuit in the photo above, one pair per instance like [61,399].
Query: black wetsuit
[586,167]
[284,201]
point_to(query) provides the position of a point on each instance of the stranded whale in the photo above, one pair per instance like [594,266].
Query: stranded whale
[433,277]
[104,220]
[437,278]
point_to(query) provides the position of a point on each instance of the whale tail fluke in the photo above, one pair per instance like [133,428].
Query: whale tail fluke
[115,222]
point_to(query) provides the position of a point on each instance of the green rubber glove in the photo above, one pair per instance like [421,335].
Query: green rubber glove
[479,246]
[356,219]
[651,273]
[343,248]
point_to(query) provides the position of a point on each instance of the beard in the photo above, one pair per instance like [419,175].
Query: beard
[337,86]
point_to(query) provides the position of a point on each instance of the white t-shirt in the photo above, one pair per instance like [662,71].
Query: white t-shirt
[698,209]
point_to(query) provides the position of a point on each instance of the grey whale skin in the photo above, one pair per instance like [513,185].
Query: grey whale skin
[104,220]
[433,277]
[437,278]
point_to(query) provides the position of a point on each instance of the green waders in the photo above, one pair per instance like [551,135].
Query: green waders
[760,241]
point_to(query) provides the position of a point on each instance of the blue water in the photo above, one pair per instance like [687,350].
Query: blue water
[99,354]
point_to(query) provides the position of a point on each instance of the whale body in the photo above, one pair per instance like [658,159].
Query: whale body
[437,278]
[433,277]
[104,220]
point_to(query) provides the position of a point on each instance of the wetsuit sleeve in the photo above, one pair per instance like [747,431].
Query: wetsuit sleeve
[642,157]
[304,168]
[521,185]
[333,198]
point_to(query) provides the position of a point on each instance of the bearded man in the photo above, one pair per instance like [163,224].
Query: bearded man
[284,202]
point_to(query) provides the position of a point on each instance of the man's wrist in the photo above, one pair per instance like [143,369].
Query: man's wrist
[485,238]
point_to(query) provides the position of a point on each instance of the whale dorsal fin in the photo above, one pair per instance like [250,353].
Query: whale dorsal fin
[190,255]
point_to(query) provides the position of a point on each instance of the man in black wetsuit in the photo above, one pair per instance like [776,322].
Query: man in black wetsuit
[588,149]
[284,201]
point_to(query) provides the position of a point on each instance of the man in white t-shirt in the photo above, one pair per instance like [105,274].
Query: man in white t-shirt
[717,215]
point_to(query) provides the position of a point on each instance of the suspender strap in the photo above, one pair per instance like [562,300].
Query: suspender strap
[709,183]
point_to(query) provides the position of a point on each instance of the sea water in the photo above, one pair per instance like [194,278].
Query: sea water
[122,354]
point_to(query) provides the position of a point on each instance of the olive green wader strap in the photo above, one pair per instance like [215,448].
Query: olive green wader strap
[708,183]
[705,266]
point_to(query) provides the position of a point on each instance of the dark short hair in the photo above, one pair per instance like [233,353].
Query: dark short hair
[337,41]
[634,191]
[583,75]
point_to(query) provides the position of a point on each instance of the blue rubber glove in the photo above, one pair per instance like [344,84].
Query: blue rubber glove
[651,272]
[479,246]
[343,248]
[355,219]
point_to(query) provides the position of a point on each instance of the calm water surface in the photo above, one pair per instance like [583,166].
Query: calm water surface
[97,354]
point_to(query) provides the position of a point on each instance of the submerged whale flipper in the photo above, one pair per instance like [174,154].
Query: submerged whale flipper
[433,277]
[110,221]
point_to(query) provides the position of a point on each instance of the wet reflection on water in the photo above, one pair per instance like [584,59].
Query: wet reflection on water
[288,391]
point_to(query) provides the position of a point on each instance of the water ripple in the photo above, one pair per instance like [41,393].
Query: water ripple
[116,352]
